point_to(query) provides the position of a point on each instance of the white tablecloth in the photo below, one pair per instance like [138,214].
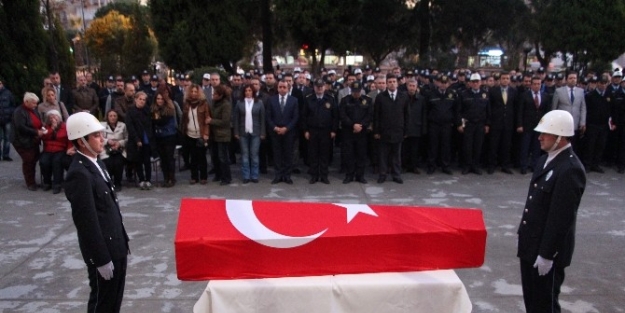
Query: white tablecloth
[430,291]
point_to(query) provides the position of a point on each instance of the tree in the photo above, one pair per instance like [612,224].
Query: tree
[122,44]
[23,60]
[197,33]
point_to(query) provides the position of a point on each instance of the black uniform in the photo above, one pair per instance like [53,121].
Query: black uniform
[598,110]
[320,118]
[474,110]
[442,107]
[354,145]
[617,138]
[416,129]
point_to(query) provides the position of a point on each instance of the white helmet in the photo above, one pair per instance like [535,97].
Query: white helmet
[556,122]
[82,124]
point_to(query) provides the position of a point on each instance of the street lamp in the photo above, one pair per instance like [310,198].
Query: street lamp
[527,47]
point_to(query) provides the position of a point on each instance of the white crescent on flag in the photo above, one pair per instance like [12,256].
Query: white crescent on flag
[242,216]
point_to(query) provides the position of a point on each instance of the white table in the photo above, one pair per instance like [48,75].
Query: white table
[430,291]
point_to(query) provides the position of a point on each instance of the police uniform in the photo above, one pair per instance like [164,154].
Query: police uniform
[354,145]
[616,139]
[320,118]
[441,110]
[474,115]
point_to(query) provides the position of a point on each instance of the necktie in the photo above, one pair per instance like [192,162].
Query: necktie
[393,96]
[504,95]
[536,103]
[282,103]
[572,96]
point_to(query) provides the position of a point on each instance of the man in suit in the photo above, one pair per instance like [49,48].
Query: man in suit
[571,99]
[95,210]
[598,119]
[207,88]
[531,107]
[282,115]
[390,121]
[63,93]
[547,230]
[502,102]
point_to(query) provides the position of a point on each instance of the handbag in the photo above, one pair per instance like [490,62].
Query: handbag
[199,142]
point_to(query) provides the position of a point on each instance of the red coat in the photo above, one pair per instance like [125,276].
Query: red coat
[58,142]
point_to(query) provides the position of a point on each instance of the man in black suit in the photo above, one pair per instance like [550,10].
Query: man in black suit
[63,93]
[95,210]
[390,121]
[531,107]
[502,103]
[598,113]
[547,228]
[282,115]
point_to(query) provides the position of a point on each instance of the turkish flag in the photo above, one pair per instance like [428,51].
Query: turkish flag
[232,239]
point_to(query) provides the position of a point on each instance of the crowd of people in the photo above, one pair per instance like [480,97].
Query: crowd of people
[399,121]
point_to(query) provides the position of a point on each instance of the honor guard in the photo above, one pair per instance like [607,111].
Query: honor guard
[473,123]
[441,109]
[356,111]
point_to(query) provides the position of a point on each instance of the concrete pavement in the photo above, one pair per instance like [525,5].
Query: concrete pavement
[41,269]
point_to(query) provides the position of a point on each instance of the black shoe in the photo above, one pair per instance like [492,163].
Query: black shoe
[416,170]
[361,180]
[447,171]
[56,190]
[506,170]
[477,171]
[381,179]
[430,171]
[465,171]
[216,178]
[276,181]
[246,181]
[325,180]
[597,169]
[254,180]
[117,188]
[263,171]
[296,171]
[313,180]
[621,170]
[490,170]
[288,181]
[211,172]
[523,171]
[8,159]
[398,180]
[347,180]
[46,187]
[32,187]
[224,183]
[184,168]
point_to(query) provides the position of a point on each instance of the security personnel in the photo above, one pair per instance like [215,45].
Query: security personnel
[95,210]
[442,106]
[616,140]
[547,230]
[356,111]
[598,110]
[473,122]
[320,117]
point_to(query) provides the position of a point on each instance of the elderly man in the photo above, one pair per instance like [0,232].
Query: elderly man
[85,98]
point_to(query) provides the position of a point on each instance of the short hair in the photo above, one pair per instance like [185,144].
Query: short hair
[222,90]
[29,96]
[390,76]
[141,93]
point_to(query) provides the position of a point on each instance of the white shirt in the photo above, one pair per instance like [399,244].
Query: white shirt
[249,123]
[553,154]
[95,162]
[193,126]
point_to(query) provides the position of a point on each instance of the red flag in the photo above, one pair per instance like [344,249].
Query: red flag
[232,239]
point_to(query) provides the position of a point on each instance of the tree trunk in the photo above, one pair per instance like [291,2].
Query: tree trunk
[267,36]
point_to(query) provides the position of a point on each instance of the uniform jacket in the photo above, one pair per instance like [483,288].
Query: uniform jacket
[278,118]
[548,221]
[390,118]
[416,116]
[502,114]
[320,114]
[474,107]
[7,106]
[562,101]
[528,115]
[442,107]
[598,108]
[220,120]
[618,106]
[258,118]
[120,133]
[95,210]
[356,111]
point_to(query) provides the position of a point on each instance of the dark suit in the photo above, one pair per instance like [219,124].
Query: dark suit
[282,144]
[354,145]
[527,117]
[547,227]
[599,108]
[65,96]
[390,122]
[101,233]
[501,126]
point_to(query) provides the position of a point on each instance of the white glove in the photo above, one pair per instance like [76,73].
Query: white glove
[543,265]
[106,270]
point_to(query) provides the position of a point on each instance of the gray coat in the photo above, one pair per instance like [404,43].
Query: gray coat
[258,118]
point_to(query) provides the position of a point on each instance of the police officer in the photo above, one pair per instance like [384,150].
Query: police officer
[473,122]
[356,111]
[441,110]
[320,117]
[95,210]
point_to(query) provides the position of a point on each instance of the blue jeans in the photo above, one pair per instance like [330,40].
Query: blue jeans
[249,154]
[52,168]
[5,146]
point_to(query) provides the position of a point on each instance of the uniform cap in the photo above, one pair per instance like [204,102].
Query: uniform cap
[355,86]
[319,83]
[475,77]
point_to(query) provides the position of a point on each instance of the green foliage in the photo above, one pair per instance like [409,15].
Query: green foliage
[22,48]
[196,33]
[64,60]
[196,74]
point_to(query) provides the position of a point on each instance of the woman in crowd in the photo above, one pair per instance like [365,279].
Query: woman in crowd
[114,154]
[140,139]
[50,103]
[195,132]
[220,128]
[26,137]
[56,145]
[165,134]
[249,129]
